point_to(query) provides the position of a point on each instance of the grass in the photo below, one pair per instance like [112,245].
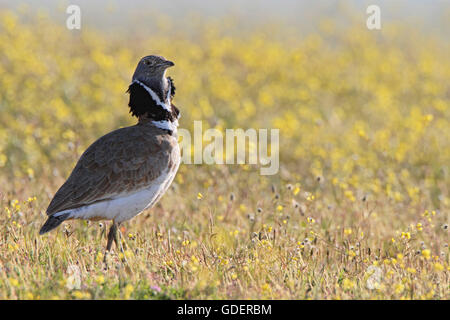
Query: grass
[359,209]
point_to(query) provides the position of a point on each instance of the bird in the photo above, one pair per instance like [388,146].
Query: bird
[129,169]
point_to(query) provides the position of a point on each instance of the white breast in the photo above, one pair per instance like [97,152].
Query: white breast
[125,206]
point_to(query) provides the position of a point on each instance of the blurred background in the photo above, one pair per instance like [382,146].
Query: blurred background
[345,97]
[364,115]
[304,14]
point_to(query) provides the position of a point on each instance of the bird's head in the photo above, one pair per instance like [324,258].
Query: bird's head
[151,69]
[151,92]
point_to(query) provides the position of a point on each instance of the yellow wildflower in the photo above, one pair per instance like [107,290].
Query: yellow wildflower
[426,253]
[100,279]
[398,288]
[128,291]
[438,267]
[348,284]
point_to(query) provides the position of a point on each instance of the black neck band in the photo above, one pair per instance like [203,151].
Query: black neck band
[141,103]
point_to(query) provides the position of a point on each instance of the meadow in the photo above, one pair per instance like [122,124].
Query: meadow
[358,210]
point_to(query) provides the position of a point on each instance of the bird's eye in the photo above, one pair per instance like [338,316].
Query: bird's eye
[147,62]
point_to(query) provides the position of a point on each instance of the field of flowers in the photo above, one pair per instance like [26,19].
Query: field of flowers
[359,209]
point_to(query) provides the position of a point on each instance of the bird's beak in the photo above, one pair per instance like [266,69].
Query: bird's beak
[169,63]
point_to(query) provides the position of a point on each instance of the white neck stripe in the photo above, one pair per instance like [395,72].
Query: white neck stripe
[166,125]
[169,93]
[166,106]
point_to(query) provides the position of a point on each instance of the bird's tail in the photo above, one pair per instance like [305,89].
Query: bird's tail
[52,222]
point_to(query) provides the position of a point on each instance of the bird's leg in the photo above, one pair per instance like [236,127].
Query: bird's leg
[112,236]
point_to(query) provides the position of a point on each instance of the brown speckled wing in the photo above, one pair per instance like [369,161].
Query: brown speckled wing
[122,161]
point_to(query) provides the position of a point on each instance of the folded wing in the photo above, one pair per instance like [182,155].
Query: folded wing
[123,161]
